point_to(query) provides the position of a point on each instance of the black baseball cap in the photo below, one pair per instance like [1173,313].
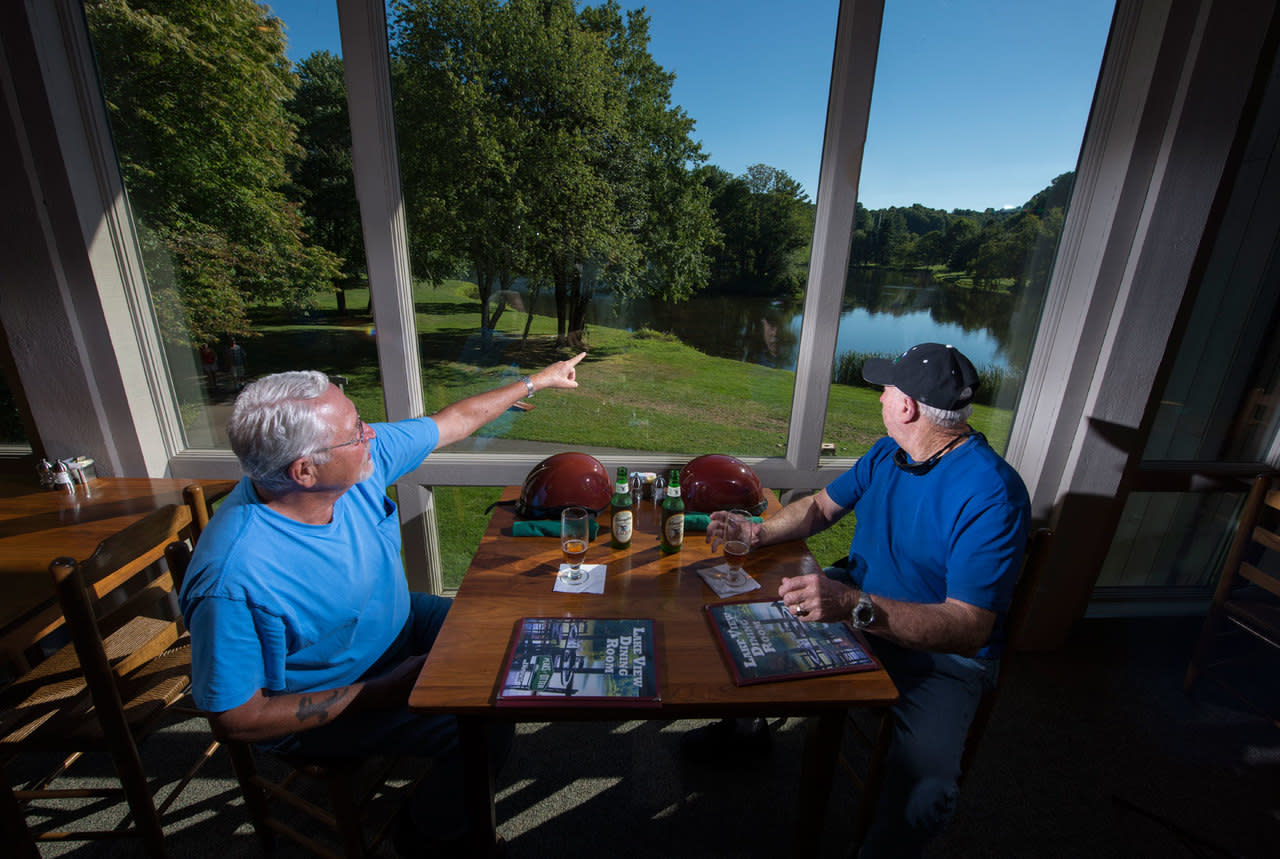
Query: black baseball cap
[931,373]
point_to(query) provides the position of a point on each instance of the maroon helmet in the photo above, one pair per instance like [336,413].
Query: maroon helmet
[564,480]
[718,482]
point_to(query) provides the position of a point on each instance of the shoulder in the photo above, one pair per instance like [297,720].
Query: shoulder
[221,560]
[408,441]
[983,467]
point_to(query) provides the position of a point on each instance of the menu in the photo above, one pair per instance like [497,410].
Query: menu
[555,661]
[763,642]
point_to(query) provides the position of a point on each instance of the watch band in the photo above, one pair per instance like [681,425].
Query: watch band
[528,383]
[864,613]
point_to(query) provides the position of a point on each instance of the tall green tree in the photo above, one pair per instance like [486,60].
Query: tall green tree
[196,92]
[322,173]
[767,224]
[540,142]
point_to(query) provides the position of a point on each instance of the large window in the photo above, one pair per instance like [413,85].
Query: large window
[236,161]
[636,182]
[574,176]
[976,122]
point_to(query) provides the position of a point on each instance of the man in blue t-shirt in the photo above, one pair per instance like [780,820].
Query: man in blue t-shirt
[305,637]
[942,525]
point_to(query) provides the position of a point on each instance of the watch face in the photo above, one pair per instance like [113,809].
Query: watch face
[863,613]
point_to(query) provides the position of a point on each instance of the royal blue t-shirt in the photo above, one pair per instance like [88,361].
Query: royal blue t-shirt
[277,604]
[957,531]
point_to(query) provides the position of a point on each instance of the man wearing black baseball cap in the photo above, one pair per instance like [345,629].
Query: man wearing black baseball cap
[942,527]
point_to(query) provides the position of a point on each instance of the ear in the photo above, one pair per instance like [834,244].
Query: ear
[910,410]
[302,471]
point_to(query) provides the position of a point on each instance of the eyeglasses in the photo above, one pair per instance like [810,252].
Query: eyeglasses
[361,438]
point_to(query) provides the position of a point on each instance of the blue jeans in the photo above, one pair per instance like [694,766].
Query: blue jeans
[437,807]
[938,694]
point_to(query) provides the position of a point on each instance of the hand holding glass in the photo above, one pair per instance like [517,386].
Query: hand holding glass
[737,543]
[575,526]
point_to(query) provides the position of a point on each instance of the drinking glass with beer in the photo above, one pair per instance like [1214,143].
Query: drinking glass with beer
[575,526]
[737,543]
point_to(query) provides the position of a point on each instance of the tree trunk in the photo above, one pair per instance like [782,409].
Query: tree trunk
[528,318]
[579,299]
[484,281]
[562,305]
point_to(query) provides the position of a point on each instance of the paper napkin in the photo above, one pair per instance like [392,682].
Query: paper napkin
[722,587]
[593,584]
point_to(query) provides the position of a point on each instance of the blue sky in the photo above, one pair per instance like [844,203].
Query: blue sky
[977,103]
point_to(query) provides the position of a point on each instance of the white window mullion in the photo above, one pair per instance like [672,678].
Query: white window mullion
[848,108]
[376,163]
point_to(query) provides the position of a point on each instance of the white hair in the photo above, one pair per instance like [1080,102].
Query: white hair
[274,422]
[945,418]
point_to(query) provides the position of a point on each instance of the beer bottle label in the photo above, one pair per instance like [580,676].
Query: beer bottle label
[674,529]
[622,526]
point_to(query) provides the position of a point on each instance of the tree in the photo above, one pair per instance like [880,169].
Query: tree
[767,223]
[322,170]
[562,159]
[196,92]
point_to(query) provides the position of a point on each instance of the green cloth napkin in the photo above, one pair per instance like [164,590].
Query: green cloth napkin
[544,528]
[698,522]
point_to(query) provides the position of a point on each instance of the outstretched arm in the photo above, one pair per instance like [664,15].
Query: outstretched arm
[461,419]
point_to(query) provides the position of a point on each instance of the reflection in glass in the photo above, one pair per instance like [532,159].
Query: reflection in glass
[1219,403]
[1147,552]
[235,159]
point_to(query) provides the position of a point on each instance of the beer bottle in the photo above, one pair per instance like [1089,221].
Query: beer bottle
[620,508]
[672,516]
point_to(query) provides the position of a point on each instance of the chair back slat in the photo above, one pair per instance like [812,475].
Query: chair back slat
[200,498]
[1247,595]
[1268,583]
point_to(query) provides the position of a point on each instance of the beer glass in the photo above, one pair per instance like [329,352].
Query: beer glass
[575,528]
[737,543]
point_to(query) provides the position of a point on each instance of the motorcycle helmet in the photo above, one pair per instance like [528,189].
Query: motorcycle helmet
[564,480]
[718,482]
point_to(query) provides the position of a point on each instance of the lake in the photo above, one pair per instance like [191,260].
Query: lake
[883,311]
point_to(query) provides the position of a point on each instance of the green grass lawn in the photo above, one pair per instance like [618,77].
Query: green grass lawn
[639,390]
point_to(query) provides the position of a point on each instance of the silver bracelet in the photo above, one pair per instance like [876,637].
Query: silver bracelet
[528,383]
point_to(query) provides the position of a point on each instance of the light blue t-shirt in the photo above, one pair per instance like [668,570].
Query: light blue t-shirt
[277,604]
[957,531]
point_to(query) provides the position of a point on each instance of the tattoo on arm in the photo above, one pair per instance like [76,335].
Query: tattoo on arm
[318,708]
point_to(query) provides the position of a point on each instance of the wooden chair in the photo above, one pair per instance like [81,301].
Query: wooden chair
[201,498]
[1247,597]
[128,665]
[869,783]
[350,785]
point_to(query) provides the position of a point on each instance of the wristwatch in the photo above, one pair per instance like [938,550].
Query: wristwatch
[864,613]
[528,383]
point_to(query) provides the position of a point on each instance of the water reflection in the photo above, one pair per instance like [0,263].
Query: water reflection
[884,311]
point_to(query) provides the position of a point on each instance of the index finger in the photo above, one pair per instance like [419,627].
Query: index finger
[573,362]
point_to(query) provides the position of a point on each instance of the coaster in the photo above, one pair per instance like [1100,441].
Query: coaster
[592,584]
[723,588]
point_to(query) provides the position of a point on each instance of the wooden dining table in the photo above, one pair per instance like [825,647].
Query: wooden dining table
[512,577]
[38,525]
